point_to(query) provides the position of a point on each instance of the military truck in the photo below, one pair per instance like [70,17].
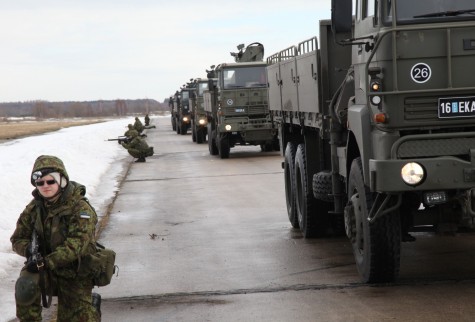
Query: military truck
[199,121]
[376,126]
[236,104]
[182,107]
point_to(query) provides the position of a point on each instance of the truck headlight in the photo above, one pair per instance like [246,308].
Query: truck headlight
[412,173]
[202,121]
[185,119]
[227,127]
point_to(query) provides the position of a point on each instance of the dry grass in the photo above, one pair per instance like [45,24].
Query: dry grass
[15,130]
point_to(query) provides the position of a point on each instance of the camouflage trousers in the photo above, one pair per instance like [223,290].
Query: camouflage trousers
[141,153]
[74,302]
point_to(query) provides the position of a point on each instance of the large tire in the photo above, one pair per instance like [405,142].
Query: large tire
[183,129]
[200,135]
[178,128]
[322,186]
[289,175]
[173,123]
[377,245]
[276,144]
[213,149]
[193,132]
[224,147]
[266,147]
[312,213]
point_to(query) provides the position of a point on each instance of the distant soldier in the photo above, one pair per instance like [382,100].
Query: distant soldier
[147,123]
[138,148]
[138,125]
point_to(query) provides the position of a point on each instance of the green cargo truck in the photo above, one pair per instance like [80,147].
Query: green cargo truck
[182,110]
[199,120]
[376,125]
[236,104]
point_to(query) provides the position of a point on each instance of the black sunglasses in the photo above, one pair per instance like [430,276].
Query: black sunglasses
[42,183]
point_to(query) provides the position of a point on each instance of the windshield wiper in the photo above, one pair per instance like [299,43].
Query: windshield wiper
[446,13]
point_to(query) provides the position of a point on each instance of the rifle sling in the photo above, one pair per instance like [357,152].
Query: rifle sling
[43,288]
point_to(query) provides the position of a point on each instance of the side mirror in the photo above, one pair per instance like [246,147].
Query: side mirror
[341,16]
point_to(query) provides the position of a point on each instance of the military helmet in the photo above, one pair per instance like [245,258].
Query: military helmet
[46,164]
[27,288]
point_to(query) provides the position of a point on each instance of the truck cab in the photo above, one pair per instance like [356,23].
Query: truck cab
[183,110]
[237,108]
[199,121]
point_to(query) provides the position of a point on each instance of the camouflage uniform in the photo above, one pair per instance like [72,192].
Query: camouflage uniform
[138,125]
[138,148]
[129,132]
[66,233]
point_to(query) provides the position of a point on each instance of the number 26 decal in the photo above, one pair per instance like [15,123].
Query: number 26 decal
[421,73]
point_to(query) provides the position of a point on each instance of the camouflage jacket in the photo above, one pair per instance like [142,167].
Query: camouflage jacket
[66,229]
[129,133]
[138,126]
[137,143]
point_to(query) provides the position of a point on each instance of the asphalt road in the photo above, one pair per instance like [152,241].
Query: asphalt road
[204,239]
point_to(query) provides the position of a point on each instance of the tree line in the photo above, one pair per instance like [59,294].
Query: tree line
[101,108]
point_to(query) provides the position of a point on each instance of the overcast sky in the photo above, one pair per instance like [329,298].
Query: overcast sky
[65,50]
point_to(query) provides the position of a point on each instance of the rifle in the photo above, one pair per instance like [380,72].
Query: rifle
[121,139]
[36,259]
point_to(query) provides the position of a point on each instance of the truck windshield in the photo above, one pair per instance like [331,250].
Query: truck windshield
[185,95]
[244,77]
[410,11]
[201,88]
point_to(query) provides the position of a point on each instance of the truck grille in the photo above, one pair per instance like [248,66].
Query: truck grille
[435,147]
[420,109]
[246,110]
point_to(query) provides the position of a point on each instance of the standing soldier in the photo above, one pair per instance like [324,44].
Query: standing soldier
[147,123]
[54,233]
[138,148]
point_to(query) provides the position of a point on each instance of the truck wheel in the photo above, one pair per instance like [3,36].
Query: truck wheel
[224,147]
[183,129]
[213,149]
[312,213]
[267,147]
[193,133]
[377,245]
[200,135]
[322,186]
[289,175]
[173,124]
[178,128]
[276,145]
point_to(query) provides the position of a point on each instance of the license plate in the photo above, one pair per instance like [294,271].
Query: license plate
[457,107]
